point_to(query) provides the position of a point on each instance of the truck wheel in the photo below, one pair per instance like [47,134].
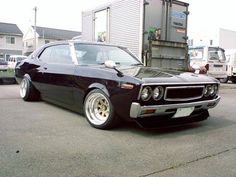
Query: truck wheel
[225,80]
[99,111]
[233,79]
[27,90]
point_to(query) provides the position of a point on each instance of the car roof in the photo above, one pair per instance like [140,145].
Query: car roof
[17,56]
[81,42]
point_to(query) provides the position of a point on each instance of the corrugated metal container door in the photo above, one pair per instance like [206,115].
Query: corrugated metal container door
[125,24]
[177,27]
[87,26]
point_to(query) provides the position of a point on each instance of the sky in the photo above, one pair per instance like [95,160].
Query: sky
[206,16]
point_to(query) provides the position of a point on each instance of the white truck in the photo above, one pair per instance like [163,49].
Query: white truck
[231,65]
[154,30]
[209,60]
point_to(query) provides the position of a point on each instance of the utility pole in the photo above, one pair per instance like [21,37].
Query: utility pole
[35,27]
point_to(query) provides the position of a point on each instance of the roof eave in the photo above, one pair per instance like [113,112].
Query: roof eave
[11,34]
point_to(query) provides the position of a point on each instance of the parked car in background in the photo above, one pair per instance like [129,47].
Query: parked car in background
[13,59]
[3,65]
[108,83]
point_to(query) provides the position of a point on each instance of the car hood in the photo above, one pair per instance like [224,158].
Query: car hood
[153,75]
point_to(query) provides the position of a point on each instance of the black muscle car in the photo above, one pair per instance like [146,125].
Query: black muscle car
[108,83]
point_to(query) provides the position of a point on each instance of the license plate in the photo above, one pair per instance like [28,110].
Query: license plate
[183,112]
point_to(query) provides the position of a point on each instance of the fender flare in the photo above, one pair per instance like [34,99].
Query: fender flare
[98,86]
[28,77]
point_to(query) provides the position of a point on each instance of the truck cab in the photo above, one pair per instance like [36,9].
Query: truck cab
[208,60]
[231,65]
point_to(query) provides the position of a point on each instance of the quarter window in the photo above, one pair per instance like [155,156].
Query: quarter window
[59,54]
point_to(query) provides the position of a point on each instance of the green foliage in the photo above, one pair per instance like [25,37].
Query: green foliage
[8,73]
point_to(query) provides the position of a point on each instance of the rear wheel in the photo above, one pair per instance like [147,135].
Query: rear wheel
[99,111]
[233,79]
[27,90]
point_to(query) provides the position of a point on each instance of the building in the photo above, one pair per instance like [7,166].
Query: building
[227,39]
[44,36]
[10,40]
[223,38]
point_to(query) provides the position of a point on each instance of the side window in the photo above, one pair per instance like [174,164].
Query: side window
[86,54]
[59,54]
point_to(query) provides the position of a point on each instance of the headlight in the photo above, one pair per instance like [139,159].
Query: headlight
[210,90]
[207,90]
[215,89]
[146,93]
[158,93]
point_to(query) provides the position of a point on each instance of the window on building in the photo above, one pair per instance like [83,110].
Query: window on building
[10,40]
[47,41]
[211,42]
[7,56]
[101,25]
[1,56]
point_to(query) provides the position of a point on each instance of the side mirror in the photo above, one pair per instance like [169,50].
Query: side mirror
[110,64]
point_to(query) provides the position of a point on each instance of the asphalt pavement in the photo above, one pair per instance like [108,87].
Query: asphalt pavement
[38,139]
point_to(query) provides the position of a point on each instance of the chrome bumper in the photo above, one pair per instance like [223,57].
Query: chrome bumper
[137,110]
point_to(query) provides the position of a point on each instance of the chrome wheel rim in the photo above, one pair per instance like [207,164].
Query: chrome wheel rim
[97,108]
[23,88]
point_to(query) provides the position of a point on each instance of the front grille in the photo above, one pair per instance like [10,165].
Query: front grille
[183,93]
[218,66]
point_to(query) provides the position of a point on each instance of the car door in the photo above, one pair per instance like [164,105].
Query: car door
[58,74]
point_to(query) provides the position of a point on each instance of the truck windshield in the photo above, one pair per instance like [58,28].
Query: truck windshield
[215,53]
[97,54]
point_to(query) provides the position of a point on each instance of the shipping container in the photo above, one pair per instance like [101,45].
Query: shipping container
[154,30]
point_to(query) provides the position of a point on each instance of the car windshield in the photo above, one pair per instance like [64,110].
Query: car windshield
[97,54]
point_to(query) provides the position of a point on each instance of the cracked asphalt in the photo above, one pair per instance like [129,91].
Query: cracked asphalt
[38,139]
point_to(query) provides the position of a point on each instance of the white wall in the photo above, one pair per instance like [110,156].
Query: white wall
[41,41]
[227,39]
[5,46]
[221,37]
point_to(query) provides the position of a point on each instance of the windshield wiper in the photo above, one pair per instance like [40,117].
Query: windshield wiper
[137,64]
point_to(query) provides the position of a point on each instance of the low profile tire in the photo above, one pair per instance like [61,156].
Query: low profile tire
[27,90]
[99,111]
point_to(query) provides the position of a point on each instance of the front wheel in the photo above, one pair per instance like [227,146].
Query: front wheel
[225,80]
[99,110]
